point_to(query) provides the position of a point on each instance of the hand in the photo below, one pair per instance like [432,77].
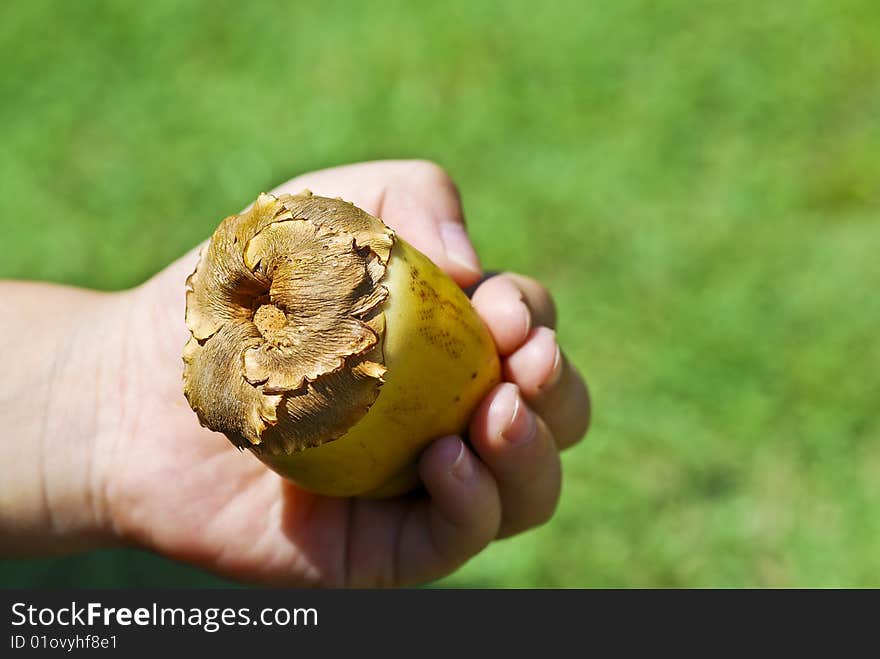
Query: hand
[179,489]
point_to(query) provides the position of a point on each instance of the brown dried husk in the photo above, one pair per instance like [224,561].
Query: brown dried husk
[285,314]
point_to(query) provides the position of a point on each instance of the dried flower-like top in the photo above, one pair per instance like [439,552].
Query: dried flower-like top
[285,312]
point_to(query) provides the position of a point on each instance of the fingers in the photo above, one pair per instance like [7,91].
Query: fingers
[551,385]
[519,313]
[512,486]
[417,198]
[519,450]
[511,305]
[461,516]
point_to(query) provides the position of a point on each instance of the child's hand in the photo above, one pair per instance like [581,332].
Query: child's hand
[160,481]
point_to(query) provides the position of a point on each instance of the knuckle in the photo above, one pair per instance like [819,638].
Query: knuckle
[575,435]
[537,296]
[545,510]
[543,516]
[477,538]
[537,516]
[498,287]
[432,173]
[579,424]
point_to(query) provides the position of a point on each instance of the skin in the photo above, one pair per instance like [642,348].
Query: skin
[100,448]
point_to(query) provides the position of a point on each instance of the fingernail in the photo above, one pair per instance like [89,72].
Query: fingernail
[458,246]
[555,373]
[525,319]
[459,464]
[521,426]
[541,343]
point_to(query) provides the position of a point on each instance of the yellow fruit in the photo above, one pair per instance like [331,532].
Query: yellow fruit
[330,347]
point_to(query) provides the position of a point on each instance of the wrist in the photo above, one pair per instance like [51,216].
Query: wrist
[66,406]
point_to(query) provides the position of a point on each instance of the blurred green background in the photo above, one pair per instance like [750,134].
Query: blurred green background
[697,182]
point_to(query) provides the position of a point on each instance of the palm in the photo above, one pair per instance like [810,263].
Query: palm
[188,493]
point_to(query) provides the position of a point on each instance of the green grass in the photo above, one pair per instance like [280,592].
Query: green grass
[697,182]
